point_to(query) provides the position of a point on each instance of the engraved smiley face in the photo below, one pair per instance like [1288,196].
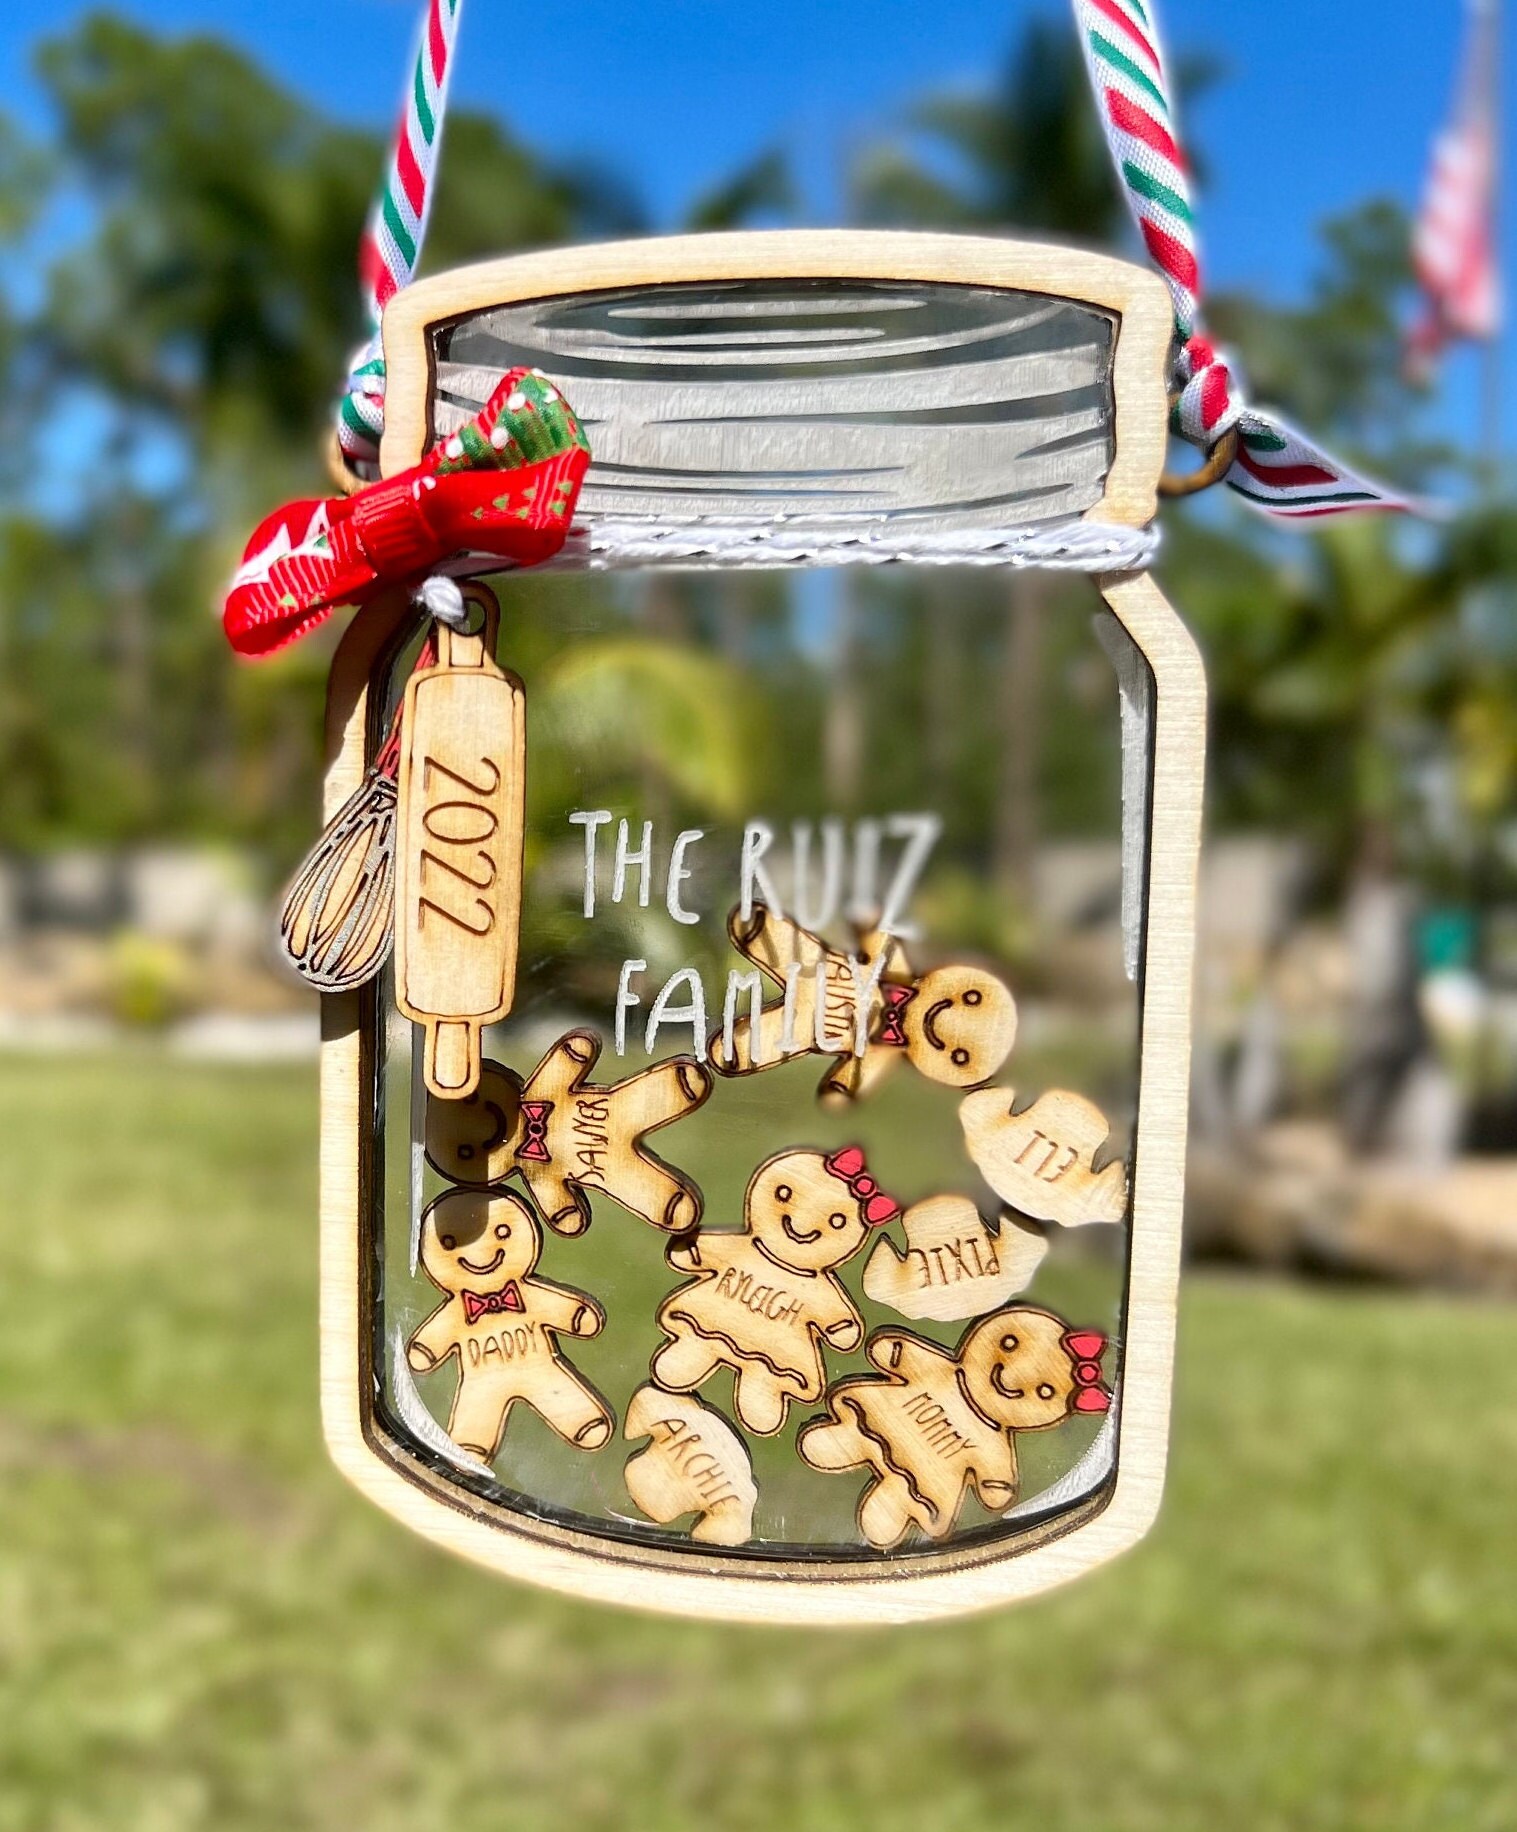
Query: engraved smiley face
[1016,1369]
[471,1141]
[476,1240]
[960,1026]
[804,1216]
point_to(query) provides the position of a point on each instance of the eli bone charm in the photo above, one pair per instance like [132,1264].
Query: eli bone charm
[458,867]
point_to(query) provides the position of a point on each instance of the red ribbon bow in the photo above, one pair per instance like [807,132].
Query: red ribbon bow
[479,1304]
[506,484]
[848,1167]
[892,1029]
[1085,1347]
[534,1145]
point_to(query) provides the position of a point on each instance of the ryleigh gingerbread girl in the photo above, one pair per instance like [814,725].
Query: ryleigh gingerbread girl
[765,1302]
[955,1024]
[933,1425]
[479,1247]
[567,1139]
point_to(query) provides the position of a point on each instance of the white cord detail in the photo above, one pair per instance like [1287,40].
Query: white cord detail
[439,597]
[606,546]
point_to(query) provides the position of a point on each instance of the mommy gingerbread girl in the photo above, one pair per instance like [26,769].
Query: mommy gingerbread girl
[766,1302]
[479,1247]
[933,1425]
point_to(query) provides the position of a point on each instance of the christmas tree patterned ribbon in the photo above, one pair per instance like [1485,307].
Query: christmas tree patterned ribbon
[1277,468]
[397,226]
[504,484]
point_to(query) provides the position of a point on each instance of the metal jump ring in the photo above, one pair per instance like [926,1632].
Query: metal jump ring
[1213,468]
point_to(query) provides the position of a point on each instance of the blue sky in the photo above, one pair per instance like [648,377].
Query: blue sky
[1320,105]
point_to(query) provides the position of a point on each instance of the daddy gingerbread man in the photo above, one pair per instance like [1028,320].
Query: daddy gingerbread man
[933,1424]
[866,1009]
[567,1139]
[479,1247]
[767,1301]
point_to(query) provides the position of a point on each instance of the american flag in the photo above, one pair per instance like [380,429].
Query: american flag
[1453,245]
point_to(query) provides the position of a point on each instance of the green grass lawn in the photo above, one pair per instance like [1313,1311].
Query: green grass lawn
[200,1626]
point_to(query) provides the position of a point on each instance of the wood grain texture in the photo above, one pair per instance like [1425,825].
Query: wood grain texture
[955,1024]
[337,921]
[501,1325]
[767,1302]
[1040,1160]
[953,1265]
[933,1426]
[460,831]
[569,1139]
[1131,430]
[730,1583]
[694,1463]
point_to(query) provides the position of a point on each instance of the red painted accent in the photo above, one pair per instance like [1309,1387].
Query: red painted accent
[1174,257]
[411,180]
[1285,476]
[1118,18]
[1132,120]
[436,43]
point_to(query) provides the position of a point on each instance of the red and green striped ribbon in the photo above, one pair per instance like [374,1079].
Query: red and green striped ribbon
[397,226]
[1277,469]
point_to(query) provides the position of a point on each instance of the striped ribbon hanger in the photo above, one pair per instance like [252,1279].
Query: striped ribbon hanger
[397,226]
[1277,468]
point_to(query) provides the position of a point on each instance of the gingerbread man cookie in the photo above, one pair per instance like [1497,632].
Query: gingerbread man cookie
[568,1139]
[933,1425]
[766,1301]
[954,1024]
[479,1247]
[694,1463]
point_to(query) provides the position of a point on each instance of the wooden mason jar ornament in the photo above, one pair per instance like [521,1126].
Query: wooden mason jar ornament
[686,1379]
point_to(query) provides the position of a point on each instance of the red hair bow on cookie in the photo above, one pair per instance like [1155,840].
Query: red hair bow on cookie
[848,1167]
[504,484]
[1085,1347]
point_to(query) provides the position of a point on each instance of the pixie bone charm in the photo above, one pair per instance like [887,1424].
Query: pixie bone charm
[568,1140]
[934,1425]
[694,1463]
[479,1247]
[1041,1160]
[766,1302]
[954,1266]
[955,1024]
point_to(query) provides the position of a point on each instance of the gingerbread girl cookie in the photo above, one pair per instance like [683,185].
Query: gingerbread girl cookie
[954,1024]
[479,1248]
[567,1139]
[933,1425]
[765,1302]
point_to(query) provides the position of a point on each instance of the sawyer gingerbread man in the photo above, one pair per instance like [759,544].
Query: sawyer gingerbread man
[867,1009]
[479,1248]
[765,1302]
[933,1425]
[567,1139]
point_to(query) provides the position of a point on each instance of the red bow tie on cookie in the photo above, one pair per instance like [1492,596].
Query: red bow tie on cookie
[534,1119]
[479,1304]
[504,484]
[1085,1347]
[848,1167]
[892,1018]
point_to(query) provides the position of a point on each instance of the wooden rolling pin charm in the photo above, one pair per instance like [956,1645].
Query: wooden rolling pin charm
[463,750]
